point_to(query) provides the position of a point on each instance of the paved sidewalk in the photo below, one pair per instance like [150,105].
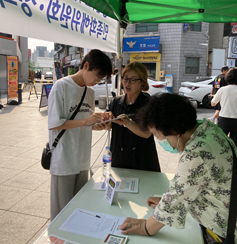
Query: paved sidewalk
[24,184]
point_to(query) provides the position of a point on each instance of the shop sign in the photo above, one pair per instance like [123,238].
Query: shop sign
[232,47]
[185,27]
[141,44]
[67,60]
[145,57]
[231,62]
[234,29]
[12,76]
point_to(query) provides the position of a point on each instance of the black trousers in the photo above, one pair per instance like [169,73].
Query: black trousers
[229,125]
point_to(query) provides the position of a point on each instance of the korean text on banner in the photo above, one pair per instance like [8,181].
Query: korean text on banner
[61,21]
[12,76]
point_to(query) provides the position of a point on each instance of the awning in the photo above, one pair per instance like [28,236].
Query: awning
[73,62]
[78,61]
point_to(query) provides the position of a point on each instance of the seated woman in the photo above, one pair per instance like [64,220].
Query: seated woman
[131,147]
[202,182]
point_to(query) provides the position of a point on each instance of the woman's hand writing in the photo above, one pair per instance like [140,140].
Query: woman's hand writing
[133,226]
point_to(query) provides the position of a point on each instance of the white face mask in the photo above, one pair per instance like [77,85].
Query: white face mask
[167,147]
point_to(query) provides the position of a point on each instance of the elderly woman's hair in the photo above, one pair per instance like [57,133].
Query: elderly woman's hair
[141,70]
[231,76]
[172,114]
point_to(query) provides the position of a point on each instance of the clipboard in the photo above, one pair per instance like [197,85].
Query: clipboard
[126,115]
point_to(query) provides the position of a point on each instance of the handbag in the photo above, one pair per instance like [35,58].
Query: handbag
[210,237]
[47,151]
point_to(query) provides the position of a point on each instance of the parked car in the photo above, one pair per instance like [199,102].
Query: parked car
[48,75]
[154,88]
[100,89]
[198,90]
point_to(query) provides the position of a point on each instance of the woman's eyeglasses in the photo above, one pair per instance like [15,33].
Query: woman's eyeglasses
[130,80]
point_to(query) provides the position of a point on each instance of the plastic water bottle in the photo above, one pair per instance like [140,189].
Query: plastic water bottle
[106,167]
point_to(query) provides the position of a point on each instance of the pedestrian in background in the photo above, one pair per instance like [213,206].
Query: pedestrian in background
[218,83]
[70,161]
[227,97]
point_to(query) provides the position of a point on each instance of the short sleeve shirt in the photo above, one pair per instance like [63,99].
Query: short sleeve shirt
[219,82]
[73,151]
[201,185]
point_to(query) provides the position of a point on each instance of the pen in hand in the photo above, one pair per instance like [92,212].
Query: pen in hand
[91,110]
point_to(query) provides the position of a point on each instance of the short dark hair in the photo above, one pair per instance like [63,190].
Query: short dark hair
[231,76]
[171,114]
[98,60]
[115,71]
[224,68]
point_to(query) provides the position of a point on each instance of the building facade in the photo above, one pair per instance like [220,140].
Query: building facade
[181,55]
[17,46]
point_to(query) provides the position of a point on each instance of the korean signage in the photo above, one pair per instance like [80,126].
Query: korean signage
[233,29]
[67,59]
[46,88]
[185,27]
[141,44]
[61,21]
[12,76]
[145,57]
[230,62]
[232,47]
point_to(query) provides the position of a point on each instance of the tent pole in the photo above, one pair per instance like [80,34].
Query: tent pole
[107,102]
[120,59]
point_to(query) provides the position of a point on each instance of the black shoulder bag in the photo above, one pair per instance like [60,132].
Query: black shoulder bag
[47,152]
[230,237]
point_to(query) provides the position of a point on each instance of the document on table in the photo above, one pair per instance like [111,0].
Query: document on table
[93,224]
[122,184]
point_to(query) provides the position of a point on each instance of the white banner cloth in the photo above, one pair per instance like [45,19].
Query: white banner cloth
[62,21]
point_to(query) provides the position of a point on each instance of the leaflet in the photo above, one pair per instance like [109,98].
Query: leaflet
[122,184]
[92,224]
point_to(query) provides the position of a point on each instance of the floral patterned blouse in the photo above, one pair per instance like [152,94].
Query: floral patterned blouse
[201,185]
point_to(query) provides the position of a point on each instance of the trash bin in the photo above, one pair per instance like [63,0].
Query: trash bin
[19,93]
[103,101]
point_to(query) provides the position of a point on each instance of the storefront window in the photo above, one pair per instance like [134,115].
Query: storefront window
[195,26]
[192,66]
[151,69]
[146,27]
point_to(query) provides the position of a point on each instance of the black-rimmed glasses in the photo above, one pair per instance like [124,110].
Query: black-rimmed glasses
[130,80]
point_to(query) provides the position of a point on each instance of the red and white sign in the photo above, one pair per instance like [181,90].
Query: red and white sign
[234,29]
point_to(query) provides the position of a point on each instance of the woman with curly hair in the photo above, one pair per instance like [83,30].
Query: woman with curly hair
[202,182]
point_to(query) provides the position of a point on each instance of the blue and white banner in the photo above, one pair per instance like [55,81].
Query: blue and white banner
[61,21]
[141,44]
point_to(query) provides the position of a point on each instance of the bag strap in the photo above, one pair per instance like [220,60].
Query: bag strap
[230,237]
[71,118]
